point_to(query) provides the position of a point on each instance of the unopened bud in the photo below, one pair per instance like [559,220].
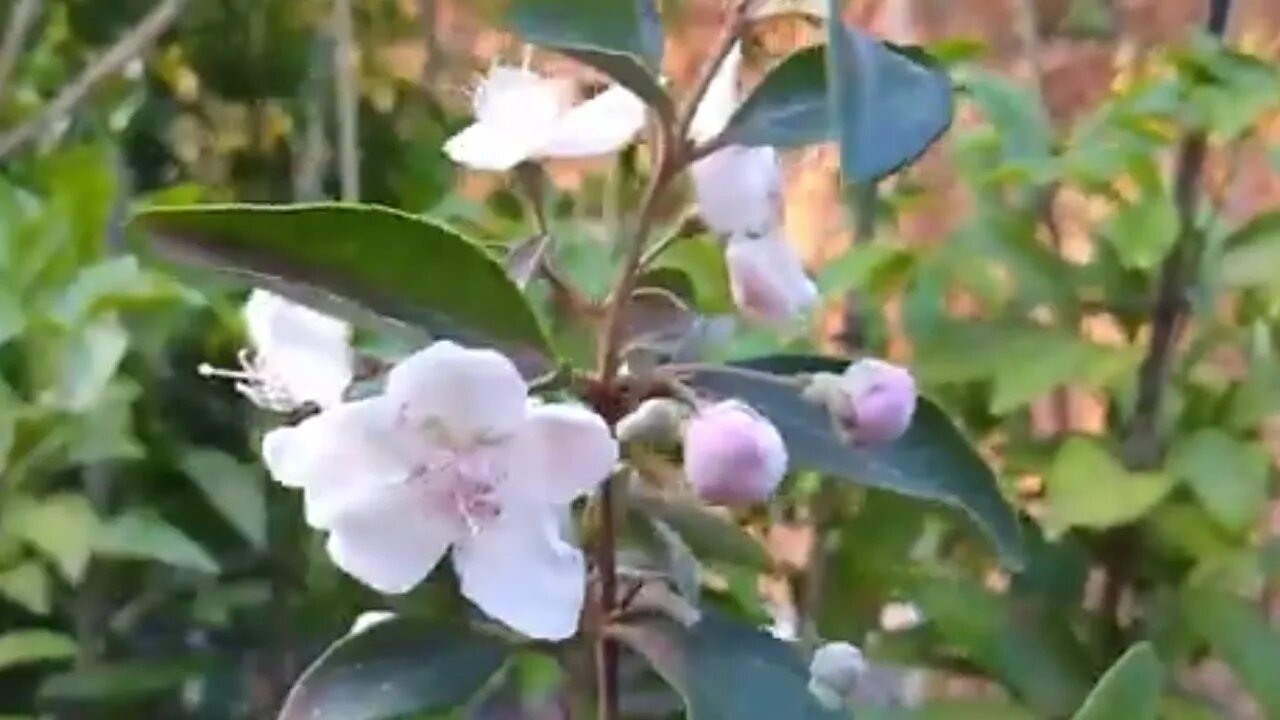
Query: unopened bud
[655,420]
[834,673]
[733,455]
[872,402]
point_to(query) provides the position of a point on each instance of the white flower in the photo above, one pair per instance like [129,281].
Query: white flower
[521,116]
[768,281]
[299,356]
[739,191]
[453,455]
[733,455]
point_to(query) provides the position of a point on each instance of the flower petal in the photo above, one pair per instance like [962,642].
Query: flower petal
[768,281]
[562,451]
[489,147]
[604,124]
[389,540]
[720,100]
[473,395]
[522,572]
[511,97]
[739,190]
[307,352]
[336,456]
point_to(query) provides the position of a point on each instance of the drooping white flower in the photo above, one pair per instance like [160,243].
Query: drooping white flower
[453,456]
[739,191]
[298,355]
[733,455]
[521,116]
[768,281]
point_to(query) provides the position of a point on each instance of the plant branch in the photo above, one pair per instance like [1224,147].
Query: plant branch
[132,44]
[21,17]
[347,98]
[1142,442]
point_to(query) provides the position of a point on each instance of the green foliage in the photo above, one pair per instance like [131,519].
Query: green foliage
[395,667]
[1130,689]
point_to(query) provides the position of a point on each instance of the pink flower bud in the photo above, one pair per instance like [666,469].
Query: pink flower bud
[768,280]
[732,455]
[879,400]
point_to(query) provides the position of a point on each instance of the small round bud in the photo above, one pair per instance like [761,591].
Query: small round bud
[834,673]
[872,402]
[655,420]
[733,455]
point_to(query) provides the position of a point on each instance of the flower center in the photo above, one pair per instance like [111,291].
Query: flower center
[461,480]
[255,381]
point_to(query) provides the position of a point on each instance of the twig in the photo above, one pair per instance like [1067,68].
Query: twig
[135,42]
[1141,443]
[344,78]
[15,34]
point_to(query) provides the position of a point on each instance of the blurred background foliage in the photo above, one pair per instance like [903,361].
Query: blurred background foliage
[149,569]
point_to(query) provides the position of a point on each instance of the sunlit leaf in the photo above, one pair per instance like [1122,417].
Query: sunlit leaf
[1229,476]
[1130,690]
[143,535]
[22,647]
[27,585]
[61,527]
[1087,487]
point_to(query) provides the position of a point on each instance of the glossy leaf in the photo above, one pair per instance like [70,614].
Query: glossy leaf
[236,491]
[724,670]
[143,535]
[789,107]
[398,265]
[932,461]
[21,647]
[1130,690]
[1242,637]
[394,668]
[887,107]
[621,38]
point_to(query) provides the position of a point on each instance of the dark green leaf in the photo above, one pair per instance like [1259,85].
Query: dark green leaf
[707,534]
[932,461]
[726,671]
[144,535]
[401,266]
[118,680]
[235,490]
[887,107]
[621,38]
[1130,690]
[789,107]
[1241,635]
[393,668]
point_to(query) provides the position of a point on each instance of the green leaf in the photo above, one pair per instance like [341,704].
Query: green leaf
[1251,254]
[1030,648]
[27,585]
[59,526]
[118,680]
[788,108]
[1029,365]
[709,535]
[725,671]
[1130,690]
[12,317]
[887,107]
[701,258]
[932,461]
[1242,637]
[1016,113]
[111,284]
[236,491]
[621,38]
[401,266]
[1144,231]
[1087,487]
[83,362]
[23,647]
[1229,476]
[143,535]
[394,668]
